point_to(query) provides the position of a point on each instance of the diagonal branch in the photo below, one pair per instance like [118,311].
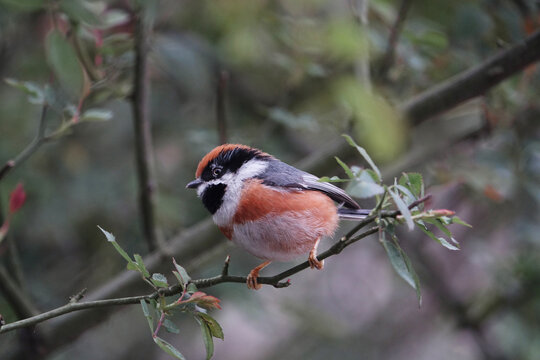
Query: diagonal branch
[473,82]
[31,148]
[15,296]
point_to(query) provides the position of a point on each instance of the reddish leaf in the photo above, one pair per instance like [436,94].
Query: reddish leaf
[17,198]
[443,212]
[205,301]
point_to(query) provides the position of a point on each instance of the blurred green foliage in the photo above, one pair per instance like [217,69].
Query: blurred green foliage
[293,90]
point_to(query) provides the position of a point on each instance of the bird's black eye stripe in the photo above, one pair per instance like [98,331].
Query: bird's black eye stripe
[212,197]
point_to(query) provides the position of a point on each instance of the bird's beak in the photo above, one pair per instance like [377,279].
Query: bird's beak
[194,184]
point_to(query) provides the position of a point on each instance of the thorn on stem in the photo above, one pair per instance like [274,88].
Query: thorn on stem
[225,270]
[75,298]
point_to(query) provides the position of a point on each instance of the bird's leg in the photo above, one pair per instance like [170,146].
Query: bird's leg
[314,263]
[254,274]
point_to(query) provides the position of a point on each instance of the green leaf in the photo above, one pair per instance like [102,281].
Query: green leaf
[36,95]
[373,175]
[171,327]
[364,154]
[207,339]
[401,263]
[215,328]
[414,182]
[63,60]
[24,5]
[364,189]
[210,328]
[191,288]
[345,167]
[140,266]
[147,315]
[402,207]
[332,179]
[159,280]
[96,115]
[182,276]
[110,238]
[445,230]
[440,240]
[168,348]
[408,197]
[457,220]
[377,124]
[77,11]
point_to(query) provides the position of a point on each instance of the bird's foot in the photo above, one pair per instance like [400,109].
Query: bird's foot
[315,263]
[251,281]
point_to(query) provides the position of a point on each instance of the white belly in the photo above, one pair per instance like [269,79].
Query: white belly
[281,237]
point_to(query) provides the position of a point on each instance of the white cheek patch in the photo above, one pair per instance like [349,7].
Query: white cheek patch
[235,184]
[201,189]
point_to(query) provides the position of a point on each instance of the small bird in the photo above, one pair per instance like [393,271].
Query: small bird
[273,210]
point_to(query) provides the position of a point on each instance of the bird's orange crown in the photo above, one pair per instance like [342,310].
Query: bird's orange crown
[223,149]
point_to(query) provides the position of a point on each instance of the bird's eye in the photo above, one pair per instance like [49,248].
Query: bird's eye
[216,171]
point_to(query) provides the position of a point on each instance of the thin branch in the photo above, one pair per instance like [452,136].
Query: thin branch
[473,82]
[276,280]
[70,307]
[395,31]
[383,214]
[15,296]
[31,148]
[221,110]
[225,270]
[143,133]
[173,290]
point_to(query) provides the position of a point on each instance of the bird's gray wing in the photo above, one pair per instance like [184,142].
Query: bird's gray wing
[283,175]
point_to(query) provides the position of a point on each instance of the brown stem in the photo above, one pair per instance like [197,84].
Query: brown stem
[143,133]
[275,280]
[20,303]
[395,31]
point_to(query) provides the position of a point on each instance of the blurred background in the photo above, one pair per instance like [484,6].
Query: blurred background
[292,77]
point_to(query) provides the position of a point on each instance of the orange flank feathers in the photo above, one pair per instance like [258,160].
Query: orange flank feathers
[259,200]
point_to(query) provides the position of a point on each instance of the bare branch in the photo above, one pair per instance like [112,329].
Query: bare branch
[473,82]
[395,31]
[276,280]
[31,148]
[143,132]
[70,307]
[18,300]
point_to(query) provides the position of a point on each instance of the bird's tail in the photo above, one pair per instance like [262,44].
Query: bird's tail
[352,214]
